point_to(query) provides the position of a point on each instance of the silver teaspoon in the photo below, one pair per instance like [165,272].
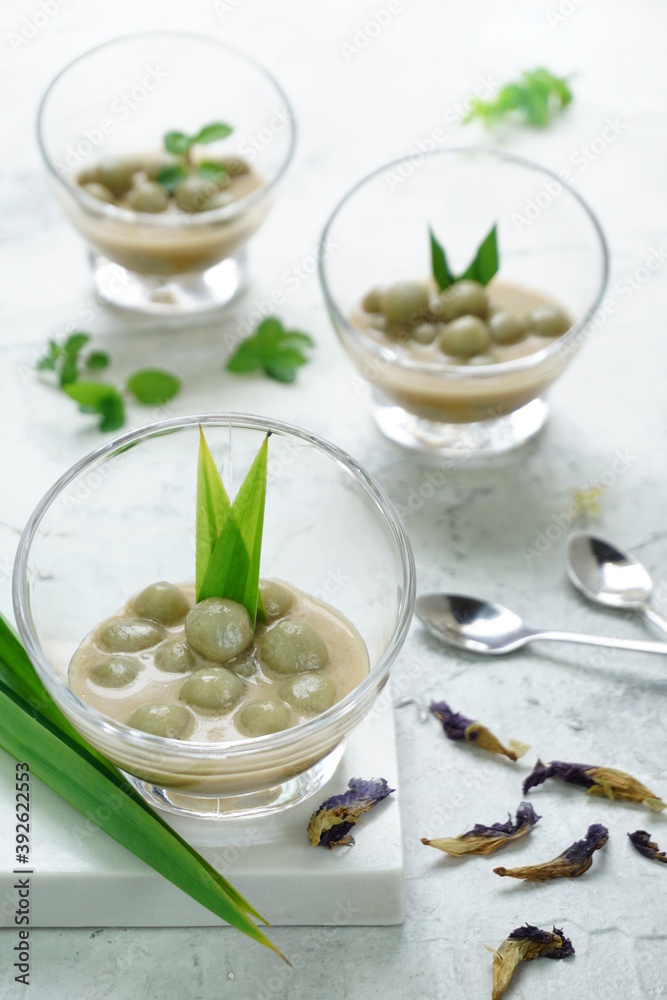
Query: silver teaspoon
[609,576]
[490,629]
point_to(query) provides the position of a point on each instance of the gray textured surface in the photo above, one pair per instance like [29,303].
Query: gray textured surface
[473,534]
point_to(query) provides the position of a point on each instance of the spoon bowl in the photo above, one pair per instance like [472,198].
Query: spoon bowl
[606,574]
[492,629]
[472,624]
[609,576]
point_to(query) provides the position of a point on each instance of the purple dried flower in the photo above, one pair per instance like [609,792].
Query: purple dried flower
[641,841]
[331,823]
[453,723]
[523,945]
[487,839]
[460,728]
[596,780]
[573,862]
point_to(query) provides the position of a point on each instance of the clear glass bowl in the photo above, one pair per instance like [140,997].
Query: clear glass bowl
[124,516]
[549,241]
[119,100]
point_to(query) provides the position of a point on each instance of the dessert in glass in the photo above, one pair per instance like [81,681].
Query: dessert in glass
[456,308]
[165,151]
[208,713]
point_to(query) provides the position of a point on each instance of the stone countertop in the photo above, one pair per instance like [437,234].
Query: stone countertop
[362,95]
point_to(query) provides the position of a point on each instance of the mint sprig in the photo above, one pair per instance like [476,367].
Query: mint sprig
[64,359]
[180,144]
[536,98]
[149,386]
[482,267]
[278,352]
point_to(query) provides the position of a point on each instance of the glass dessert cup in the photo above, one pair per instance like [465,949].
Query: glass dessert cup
[124,517]
[381,232]
[119,100]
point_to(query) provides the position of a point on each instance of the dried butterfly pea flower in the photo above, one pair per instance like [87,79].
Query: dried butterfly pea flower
[331,823]
[641,841]
[573,862]
[523,945]
[487,839]
[596,780]
[457,727]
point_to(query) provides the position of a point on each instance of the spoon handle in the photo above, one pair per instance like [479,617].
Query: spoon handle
[638,646]
[655,618]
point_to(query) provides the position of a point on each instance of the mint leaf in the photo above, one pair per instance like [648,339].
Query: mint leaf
[97,360]
[443,276]
[152,387]
[284,364]
[248,358]
[50,360]
[211,171]
[171,176]
[213,132]
[177,143]
[273,349]
[99,398]
[69,369]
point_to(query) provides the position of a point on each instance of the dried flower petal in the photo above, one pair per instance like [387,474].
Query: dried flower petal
[458,727]
[641,841]
[571,863]
[523,945]
[487,839]
[330,825]
[596,780]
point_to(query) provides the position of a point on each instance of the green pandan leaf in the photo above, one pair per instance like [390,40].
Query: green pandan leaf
[33,729]
[233,568]
[213,507]
[485,263]
[482,268]
[439,266]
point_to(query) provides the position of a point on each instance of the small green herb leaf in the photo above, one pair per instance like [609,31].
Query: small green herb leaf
[443,276]
[49,361]
[482,268]
[536,98]
[97,360]
[99,398]
[485,263]
[213,507]
[233,569]
[177,143]
[284,364]
[152,387]
[170,177]
[69,369]
[273,349]
[211,171]
[213,133]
